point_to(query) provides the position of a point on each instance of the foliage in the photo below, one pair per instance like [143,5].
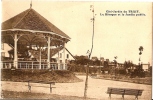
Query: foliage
[128,64]
[106,64]
[122,71]
[139,72]
[150,71]
[76,68]
[20,75]
[81,68]
[82,60]
[96,63]
[140,49]
[93,70]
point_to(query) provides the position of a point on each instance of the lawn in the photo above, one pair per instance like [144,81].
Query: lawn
[123,78]
[20,75]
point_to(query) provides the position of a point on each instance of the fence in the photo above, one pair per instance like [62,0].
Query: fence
[33,65]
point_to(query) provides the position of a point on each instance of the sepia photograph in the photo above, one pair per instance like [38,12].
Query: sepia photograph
[76,50]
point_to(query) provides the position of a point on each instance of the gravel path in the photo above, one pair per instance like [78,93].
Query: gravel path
[96,88]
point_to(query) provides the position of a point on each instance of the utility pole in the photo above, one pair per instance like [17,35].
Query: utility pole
[115,61]
[87,68]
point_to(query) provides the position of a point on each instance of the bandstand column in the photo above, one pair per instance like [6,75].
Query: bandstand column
[58,61]
[48,59]
[64,57]
[40,58]
[15,51]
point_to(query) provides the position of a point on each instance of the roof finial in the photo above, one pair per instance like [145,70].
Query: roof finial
[31,4]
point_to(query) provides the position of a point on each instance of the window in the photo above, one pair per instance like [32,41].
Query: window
[60,55]
[60,61]
[3,54]
[67,55]
[2,46]
[65,60]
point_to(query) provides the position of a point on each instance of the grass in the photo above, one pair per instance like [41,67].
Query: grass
[20,75]
[29,95]
[146,80]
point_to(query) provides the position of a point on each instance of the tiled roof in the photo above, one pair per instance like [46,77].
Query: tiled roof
[31,20]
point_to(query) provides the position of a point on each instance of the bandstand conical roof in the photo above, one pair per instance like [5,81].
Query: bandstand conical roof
[30,20]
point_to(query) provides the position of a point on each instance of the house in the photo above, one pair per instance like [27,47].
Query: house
[145,67]
[94,58]
[107,60]
[112,65]
[35,53]
[102,61]
[121,66]
[59,56]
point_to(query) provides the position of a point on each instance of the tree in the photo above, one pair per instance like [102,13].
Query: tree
[82,60]
[127,66]
[97,62]
[106,64]
[140,49]
[115,61]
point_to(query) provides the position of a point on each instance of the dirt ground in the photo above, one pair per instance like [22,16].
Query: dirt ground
[40,96]
[96,88]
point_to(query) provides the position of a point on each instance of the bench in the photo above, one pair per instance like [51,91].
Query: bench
[124,91]
[42,82]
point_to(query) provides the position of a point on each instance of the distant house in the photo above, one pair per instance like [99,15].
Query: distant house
[145,67]
[121,66]
[102,61]
[112,65]
[94,58]
[107,60]
[7,52]
[56,54]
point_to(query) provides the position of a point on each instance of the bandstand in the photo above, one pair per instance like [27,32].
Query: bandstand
[31,32]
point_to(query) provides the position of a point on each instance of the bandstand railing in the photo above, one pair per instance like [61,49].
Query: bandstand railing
[33,65]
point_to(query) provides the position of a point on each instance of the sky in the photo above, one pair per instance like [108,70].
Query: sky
[119,36]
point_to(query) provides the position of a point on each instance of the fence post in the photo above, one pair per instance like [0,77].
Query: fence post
[5,65]
[55,66]
[32,65]
[26,65]
[20,65]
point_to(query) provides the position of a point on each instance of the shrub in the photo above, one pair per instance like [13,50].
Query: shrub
[138,73]
[122,71]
